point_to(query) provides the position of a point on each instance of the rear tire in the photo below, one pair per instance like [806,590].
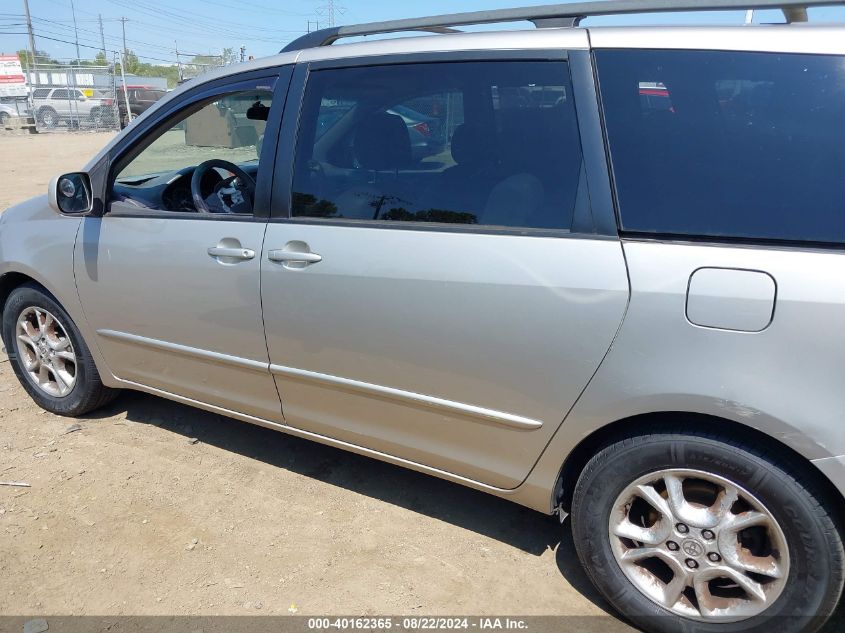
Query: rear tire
[791,514]
[77,389]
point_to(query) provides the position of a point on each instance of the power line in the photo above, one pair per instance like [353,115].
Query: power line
[96,48]
[111,38]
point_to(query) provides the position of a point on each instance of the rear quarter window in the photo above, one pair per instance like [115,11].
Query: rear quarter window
[727,144]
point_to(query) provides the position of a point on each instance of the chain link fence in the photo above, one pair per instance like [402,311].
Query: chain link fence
[74,97]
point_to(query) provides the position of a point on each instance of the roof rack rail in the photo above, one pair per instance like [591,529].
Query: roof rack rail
[551,15]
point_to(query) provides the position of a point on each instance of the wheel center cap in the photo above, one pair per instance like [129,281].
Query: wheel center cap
[692,548]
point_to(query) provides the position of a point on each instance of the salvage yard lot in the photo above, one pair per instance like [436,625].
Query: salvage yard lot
[150,507]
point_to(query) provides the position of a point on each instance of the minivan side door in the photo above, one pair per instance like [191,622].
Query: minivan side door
[438,286]
[170,284]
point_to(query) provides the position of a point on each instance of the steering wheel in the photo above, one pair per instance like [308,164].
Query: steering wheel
[235,194]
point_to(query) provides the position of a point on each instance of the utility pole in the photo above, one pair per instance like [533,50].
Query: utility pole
[75,31]
[103,38]
[123,26]
[31,41]
[178,60]
[316,24]
[243,53]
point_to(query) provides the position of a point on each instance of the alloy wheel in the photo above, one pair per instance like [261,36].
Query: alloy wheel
[46,352]
[699,545]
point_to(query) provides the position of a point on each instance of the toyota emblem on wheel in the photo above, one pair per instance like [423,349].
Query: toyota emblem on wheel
[692,548]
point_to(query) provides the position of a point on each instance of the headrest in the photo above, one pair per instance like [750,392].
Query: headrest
[382,142]
[471,145]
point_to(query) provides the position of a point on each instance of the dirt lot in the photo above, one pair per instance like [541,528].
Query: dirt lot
[128,516]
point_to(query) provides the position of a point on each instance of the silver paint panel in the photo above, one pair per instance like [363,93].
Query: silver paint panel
[784,381]
[153,293]
[834,469]
[506,323]
[38,242]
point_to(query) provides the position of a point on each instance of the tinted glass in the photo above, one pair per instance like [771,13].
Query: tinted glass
[150,95]
[60,94]
[489,143]
[726,143]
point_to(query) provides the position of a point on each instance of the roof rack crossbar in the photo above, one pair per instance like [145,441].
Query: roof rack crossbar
[552,15]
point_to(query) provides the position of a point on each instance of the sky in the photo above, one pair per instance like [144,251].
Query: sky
[154,28]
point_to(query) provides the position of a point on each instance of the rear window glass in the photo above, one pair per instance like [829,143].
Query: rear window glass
[727,144]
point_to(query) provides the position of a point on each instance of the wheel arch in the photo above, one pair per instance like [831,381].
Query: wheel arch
[11,280]
[680,421]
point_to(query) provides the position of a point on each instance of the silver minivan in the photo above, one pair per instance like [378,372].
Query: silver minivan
[596,271]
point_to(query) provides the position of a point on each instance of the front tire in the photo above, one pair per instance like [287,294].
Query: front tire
[697,533]
[48,117]
[49,356]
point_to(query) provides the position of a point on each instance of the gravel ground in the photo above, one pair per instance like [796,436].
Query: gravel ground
[130,515]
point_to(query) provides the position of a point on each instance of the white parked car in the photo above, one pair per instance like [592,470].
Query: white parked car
[54,105]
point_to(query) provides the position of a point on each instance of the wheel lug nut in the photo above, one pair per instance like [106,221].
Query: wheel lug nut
[692,564]
[708,534]
[714,557]
[672,545]
[683,529]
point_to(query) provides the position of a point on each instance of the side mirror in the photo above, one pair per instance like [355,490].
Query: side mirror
[70,194]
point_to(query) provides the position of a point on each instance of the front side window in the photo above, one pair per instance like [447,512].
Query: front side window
[206,160]
[727,144]
[487,143]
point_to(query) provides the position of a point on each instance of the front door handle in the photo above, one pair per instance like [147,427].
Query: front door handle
[231,252]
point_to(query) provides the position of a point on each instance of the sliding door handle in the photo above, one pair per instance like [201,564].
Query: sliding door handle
[293,257]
